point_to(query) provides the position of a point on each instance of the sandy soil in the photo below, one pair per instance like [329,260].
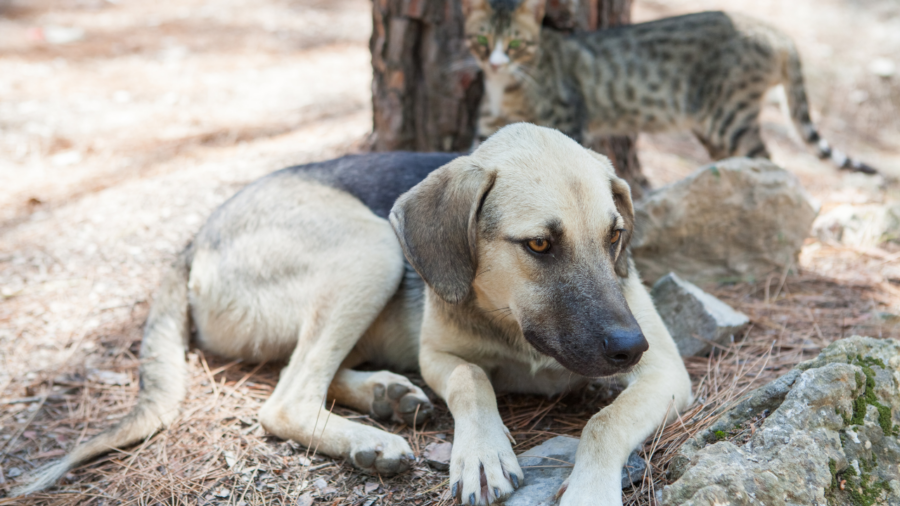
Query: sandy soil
[115,147]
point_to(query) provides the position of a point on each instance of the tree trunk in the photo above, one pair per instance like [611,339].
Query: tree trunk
[426,89]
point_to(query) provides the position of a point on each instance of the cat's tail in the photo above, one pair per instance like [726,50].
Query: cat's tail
[163,380]
[798,107]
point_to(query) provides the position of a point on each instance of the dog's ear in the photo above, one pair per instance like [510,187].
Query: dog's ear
[437,224]
[621,193]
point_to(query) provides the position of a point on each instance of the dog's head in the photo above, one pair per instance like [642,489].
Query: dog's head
[533,226]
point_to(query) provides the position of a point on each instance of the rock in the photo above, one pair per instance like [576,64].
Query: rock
[831,420]
[865,225]
[734,219]
[690,313]
[438,455]
[547,466]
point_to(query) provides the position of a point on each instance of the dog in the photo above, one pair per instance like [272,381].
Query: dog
[516,278]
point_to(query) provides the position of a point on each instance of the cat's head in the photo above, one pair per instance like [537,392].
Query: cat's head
[503,34]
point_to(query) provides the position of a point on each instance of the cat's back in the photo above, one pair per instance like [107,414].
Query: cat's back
[697,33]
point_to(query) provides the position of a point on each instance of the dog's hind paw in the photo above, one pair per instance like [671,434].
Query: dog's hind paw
[386,455]
[401,401]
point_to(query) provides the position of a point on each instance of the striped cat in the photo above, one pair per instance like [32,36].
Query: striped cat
[704,72]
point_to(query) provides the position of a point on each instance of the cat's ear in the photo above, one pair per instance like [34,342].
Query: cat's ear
[621,193]
[470,6]
[534,8]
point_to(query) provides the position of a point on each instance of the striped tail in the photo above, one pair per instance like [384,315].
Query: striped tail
[163,381]
[798,106]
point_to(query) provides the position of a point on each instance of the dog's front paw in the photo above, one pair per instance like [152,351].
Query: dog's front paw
[376,451]
[483,467]
[580,491]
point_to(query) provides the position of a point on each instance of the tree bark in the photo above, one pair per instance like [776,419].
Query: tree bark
[426,88]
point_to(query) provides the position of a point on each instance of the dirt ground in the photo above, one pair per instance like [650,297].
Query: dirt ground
[124,123]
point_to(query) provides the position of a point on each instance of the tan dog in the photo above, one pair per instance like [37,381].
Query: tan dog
[528,287]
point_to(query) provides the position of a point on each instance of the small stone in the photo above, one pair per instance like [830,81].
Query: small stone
[883,67]
[14,472]
[222,493]
[547,466]
[372,486]
[109,377]
[437,455]
[320,484]
[859,225]
[305,499]
[695,318]
[62,34]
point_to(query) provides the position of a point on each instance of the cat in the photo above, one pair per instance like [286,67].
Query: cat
[706,72]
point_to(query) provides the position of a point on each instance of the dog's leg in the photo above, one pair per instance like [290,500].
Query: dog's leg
[351,287]
[383,394]
[659,385]
[483,467]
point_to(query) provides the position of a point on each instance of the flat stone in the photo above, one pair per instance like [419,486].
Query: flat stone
[437,455]
[695,318]
[547,466]
[735,219]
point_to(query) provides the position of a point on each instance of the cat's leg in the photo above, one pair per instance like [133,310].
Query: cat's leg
[744,137]
[733,133]
[383,394]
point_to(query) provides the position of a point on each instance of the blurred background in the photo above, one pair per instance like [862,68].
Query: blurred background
[124,123]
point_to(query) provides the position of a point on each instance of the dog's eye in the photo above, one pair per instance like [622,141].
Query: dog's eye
[615,236]
[539,245]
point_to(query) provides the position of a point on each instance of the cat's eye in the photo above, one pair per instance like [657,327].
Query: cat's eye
[539,245]
[513,44]
[614,238]
[482,40]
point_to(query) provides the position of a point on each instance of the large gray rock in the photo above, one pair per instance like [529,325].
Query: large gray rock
[695,318]
[824,433]
[547,466]
[734,219]
[864,225]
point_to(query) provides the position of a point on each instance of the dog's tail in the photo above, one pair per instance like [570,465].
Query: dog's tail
[798,108]
[163,379]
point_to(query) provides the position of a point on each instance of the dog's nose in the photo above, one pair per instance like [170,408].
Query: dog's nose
[624,348]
